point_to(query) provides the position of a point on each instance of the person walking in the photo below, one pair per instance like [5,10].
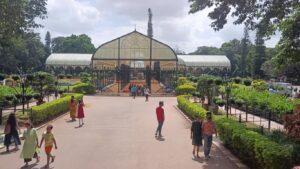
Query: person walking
[11,131]
[80,111]
[49,141]
[30,145]
[73,106]
[133,91]
[196,135]
[208,129]
[160,119]
[147,93]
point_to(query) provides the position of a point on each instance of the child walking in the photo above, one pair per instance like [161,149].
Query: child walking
[80,111]
[196,135]
[49,141]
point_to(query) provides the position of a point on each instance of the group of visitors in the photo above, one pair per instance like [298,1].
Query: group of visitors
[139,90]
[31,146]
[76,110]
[203,130]
[200,130]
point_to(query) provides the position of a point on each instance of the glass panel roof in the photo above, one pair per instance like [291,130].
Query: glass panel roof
[69,59]
[134,46]
[205,60]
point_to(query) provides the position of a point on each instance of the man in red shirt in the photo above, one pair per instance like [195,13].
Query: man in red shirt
[160,118]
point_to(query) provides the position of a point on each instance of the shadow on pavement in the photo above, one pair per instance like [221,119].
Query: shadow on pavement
[200,160]
[31,166]
[160,139]
[11,151]
[70,121]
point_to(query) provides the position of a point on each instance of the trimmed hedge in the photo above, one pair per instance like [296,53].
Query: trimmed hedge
[185,89]
[49,110]
[84,88]
[257,150]
[189,108]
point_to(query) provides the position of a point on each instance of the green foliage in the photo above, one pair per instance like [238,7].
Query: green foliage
[218,101]
[253,148]
[51,109]
[288,45]
[205,50]
[260,85]
[275,103]
[84,88]
[182,81]
[48,44]
[191,109]
[85,77]
[19,46]
[73,44]
[185,89]
[247,82]
[61,76]
[9,92]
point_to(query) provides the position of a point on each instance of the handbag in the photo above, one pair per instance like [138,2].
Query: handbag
[7,129]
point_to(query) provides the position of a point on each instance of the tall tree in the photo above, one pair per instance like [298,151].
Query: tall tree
[17,21]
[260,55]
[73,44]
[245,49]
[232,50]
[289,44]
[48,44]
[150,28]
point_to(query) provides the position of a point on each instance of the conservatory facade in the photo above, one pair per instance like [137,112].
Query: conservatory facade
[134,59]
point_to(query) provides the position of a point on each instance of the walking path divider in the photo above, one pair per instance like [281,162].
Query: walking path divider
[233,159]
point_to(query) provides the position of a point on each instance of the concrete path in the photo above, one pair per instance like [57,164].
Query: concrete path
[119,134]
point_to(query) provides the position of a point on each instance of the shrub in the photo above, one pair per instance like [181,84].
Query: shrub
[185,89]
[189,108]
[182,81]
[84,88]
[61,76]
[259,85]
[247,82]
[253,148]
[49,110]
[15,77]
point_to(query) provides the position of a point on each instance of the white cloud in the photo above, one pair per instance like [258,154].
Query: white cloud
[104,20]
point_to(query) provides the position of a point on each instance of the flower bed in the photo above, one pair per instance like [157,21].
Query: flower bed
[49,110]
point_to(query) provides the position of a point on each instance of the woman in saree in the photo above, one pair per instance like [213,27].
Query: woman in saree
[73,107]
[30,146]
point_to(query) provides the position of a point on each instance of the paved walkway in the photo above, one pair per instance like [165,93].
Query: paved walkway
[119,134]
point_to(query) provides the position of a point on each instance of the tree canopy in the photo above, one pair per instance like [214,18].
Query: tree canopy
[251,12]
[207,50]
[73,44]
[19,46]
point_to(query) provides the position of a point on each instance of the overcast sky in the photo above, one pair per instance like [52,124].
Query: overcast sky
[104,20]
